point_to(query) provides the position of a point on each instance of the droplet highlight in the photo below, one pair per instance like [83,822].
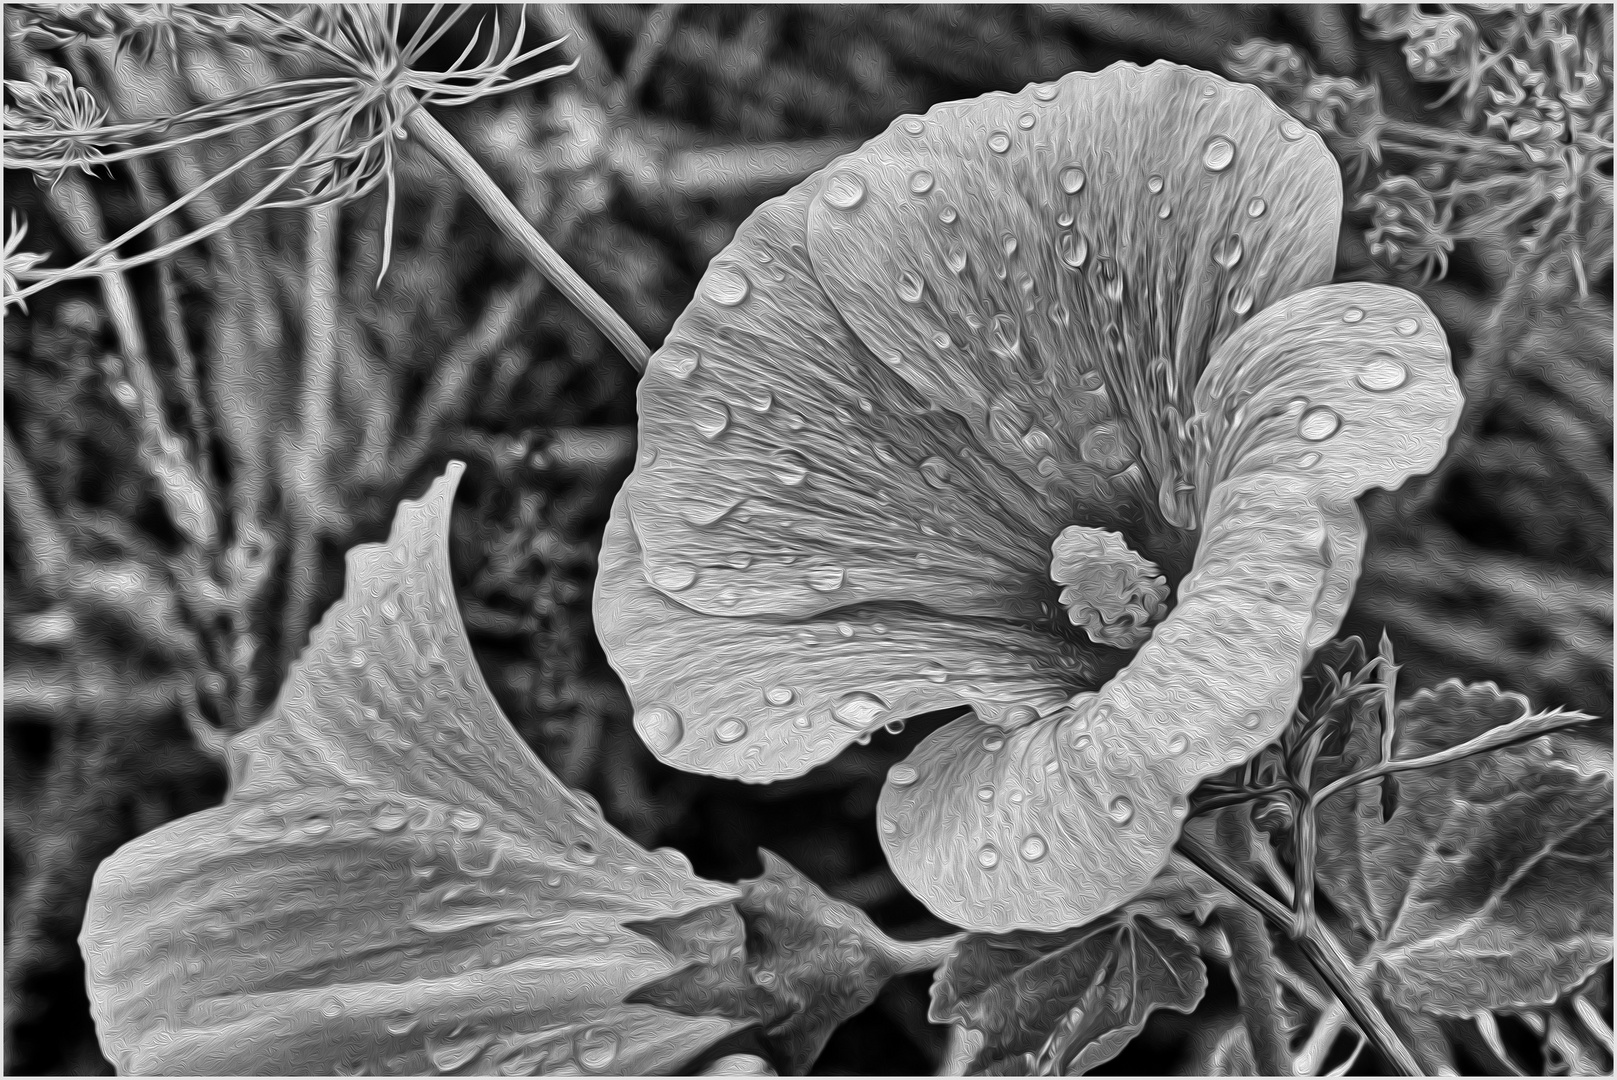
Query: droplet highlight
[1319,423]
[993,743]
[1033,848]
[660,727]
[903,775]
[999,142]
[1256,206]
[1353,315]
[1072,179]
[1407,327]
[921,182]
[680,360]
[988,857]
[712,418]
[1073,248]
[1382,373]
[1121,810]
[728,286]
[731,730]
[1218,154]
[1227,252]
[844,191]
[672,577]
[1153,184]
[827,579]
[858,709]
[1026,121]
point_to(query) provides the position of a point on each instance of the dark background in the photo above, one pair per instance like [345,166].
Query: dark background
[638,167]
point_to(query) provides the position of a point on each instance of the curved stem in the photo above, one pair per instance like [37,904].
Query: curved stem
[447,149]
[909,957]
[1321,948]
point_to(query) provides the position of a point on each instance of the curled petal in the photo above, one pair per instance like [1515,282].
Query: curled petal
[764,699]
[395,882]
[1309,412]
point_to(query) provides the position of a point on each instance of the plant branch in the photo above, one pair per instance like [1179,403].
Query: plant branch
[909,957]
[1317,944]
[447,149]
[1522,730]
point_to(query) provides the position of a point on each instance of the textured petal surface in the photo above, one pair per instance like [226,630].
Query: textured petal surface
[1057,265]
[391,885]
[763,699]
[1074,814]
[785,472]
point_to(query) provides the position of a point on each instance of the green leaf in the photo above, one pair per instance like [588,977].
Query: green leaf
[1065,1003]
[1491,888]
[395,883]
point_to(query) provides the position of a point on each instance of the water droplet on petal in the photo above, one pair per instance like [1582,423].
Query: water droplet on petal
[936,472]
[915,125]
[1256,206]
[1072,179]
[789,467]
[1074,249]
[845,629]
[1291,129]
[660,727]
[1082,741]
[400,1024]
[1021,715]
[894,727]
[1382,373]
[921,181]
[1025,121]
[389,817]
[1251,720]
[672,577]
[712,417]
[844,191]
[1218,153]
[780,695]
[910,287]
[903,775]
[597,1049]
[1240,300]
[1309,460]
[1407,327]
[1045,92]
[1164,212]
[802,723]
[992,743]
[1353,315]
[1153,184]
[1227,252]
[1007,334]
[827,579]
[858,709]
[1318,423]
[999,142]
[935,673]
[948,215]
[1121,810]
[728,286]
[1178,745]
[988,857]
[680,360]
[731,730]
[465,819]
[1033,848]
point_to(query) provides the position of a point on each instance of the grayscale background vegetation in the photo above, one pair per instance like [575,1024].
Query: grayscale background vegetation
[185,467]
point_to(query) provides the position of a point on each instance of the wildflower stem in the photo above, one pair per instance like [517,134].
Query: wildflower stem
[909,957]
[447,149]
[1318,944]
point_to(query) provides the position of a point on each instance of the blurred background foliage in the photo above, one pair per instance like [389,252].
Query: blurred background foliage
[191,447]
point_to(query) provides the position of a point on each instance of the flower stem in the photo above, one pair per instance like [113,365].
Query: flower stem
[909,957]
[447,149]
[1318,944]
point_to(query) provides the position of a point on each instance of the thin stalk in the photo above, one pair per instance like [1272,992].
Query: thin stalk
[447,149]
[1317,943]
[909,957]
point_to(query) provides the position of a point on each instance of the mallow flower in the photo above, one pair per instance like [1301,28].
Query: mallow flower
[395,884]
[1039,405]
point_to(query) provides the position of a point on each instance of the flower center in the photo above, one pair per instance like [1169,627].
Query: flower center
[1111,592]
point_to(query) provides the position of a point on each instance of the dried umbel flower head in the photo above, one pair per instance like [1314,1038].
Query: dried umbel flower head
[884,450]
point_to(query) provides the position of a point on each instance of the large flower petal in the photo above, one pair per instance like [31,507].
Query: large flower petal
[785,472]
[763,699]
[389,886]
[1057,265]
[1312,403]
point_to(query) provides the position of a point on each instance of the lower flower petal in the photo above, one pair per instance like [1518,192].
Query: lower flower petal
[773,698]
[395,883]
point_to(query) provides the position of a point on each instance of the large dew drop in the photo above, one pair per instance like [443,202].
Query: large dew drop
[1073,248]
[988,857]
[1382,373]
[660,727]
[1153,184]
[937,473]
[921,182]
[999,142]
[780,695]
[1318,424]
[910,287]
[1121,810]
[903,775]
[676,577]
[1227,252]
[1256,206]
[1033,848]
[1072,179]
[858,709]
[789,468]
[1218,153]
[728,286]
[827,579]
[712,418]
[731,731]
[844,191]
[680,360]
